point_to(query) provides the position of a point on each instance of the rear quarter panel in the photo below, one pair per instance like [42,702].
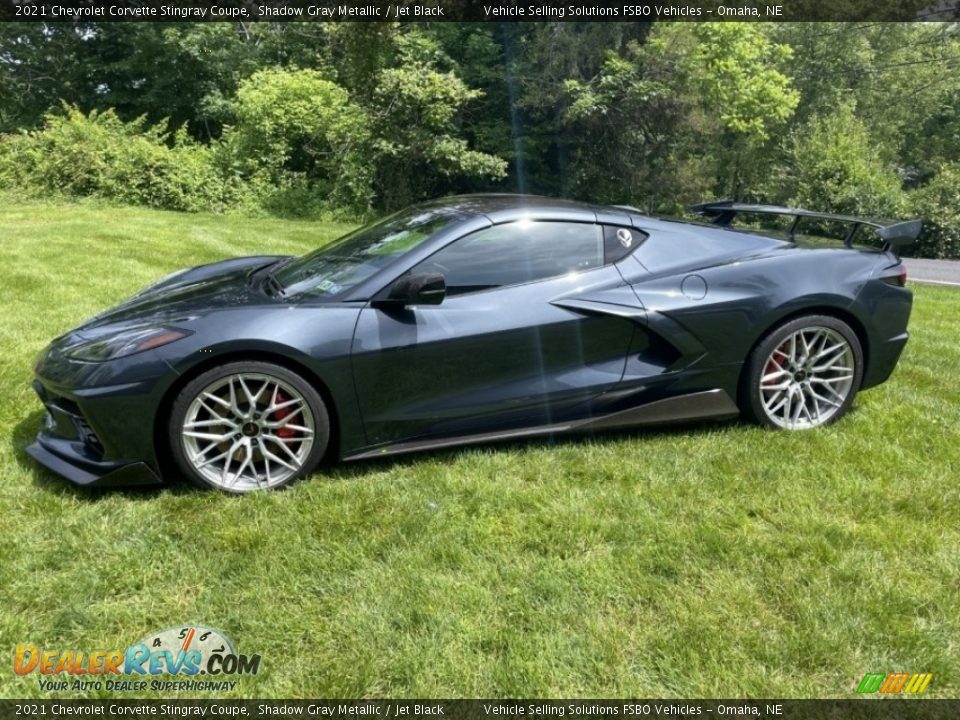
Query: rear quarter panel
[745,298]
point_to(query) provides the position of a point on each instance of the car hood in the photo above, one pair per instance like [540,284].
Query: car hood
[188,293]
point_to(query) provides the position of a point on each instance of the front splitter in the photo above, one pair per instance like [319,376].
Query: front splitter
[133,474]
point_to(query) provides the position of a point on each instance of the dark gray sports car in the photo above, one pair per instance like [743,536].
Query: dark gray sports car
[473,319]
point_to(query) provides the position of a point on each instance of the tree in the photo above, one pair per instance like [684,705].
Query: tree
[836,167]
[298,131]
[687,113]
[416,111]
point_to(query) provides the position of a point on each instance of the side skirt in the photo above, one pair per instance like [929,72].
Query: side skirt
[695,406]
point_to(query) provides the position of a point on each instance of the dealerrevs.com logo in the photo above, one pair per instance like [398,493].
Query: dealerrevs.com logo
[185,651]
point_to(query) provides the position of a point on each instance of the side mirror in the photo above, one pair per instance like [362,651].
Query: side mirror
[418,289]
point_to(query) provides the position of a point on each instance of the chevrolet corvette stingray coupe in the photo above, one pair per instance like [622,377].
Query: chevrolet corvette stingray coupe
[474,319]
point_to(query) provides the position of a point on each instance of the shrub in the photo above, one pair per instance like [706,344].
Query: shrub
[836,168]
[938,203]
[99,155]
[300,139]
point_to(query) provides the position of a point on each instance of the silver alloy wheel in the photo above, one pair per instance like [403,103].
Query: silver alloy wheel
[807,378]
[248,431]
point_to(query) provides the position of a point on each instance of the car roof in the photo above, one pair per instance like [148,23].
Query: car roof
[486,203]
[506,207]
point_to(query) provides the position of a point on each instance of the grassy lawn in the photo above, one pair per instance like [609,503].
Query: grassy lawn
[712,560]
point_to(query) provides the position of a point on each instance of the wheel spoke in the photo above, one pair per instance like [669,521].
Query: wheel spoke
[828,381]
[216,398]
[266,463]
[208,436]
[284,421]
[274,406]
[279,460]
[216,458]
[824,352]
[783,403]
[299,428]
[225,472]
[252,398]
[769,377]
[210,423]
[810,402]
[234,406]
[251,401]
[798,405]
[830,364]
[243,466]
[833,390]
[806,345]
[286,449]
[821,399]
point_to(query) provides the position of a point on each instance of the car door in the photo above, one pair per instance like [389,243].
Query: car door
[501,351]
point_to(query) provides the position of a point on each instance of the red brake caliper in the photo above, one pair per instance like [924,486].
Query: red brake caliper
[280,414]
[773,365]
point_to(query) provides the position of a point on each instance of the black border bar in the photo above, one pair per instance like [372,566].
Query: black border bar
[80,11]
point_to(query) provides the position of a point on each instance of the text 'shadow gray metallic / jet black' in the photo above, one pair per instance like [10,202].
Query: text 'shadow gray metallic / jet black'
[473,319]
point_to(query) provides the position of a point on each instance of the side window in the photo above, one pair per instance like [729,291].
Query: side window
[516,253]
[618,242]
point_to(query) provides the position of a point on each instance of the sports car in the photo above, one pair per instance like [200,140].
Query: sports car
[474,319]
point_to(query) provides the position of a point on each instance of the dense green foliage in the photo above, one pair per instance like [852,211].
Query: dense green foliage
[357,118]
[297,136]
[834,167]
[699,561]
[100,155]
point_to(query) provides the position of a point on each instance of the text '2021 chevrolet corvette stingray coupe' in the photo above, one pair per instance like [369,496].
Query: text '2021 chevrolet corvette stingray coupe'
[474,319]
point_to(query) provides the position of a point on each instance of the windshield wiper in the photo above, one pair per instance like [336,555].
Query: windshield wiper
[273,287]
[266,277]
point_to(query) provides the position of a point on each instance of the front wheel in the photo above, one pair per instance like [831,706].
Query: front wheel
[804,374]
[248,426]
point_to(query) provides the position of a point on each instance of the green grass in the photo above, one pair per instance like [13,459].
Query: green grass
[717,560]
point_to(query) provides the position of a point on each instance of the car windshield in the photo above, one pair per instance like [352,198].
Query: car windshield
[346,263]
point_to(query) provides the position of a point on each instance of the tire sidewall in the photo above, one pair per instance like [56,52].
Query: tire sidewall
[751,400]
[186,396]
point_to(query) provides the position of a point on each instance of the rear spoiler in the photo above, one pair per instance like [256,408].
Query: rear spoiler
[893,233]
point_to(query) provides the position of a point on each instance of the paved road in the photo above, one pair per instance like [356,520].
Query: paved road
[939,272]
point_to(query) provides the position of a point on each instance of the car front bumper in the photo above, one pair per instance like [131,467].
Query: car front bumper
[98,428]
[68,445]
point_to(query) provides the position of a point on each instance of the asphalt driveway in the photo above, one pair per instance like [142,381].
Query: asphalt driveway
[938,272]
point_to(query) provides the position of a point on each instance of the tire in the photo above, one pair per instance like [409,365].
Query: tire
[248,426]
[803,374]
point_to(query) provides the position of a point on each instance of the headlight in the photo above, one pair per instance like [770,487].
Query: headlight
[125,342]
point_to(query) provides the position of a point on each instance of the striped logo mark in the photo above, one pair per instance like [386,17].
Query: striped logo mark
[893,683]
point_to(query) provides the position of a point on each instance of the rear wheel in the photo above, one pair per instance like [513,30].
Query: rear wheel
[248,426]
[803,374]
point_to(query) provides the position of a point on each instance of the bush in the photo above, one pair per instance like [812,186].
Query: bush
[938,203]
[418,151]
[99,155]
[835,168]
[300,140]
